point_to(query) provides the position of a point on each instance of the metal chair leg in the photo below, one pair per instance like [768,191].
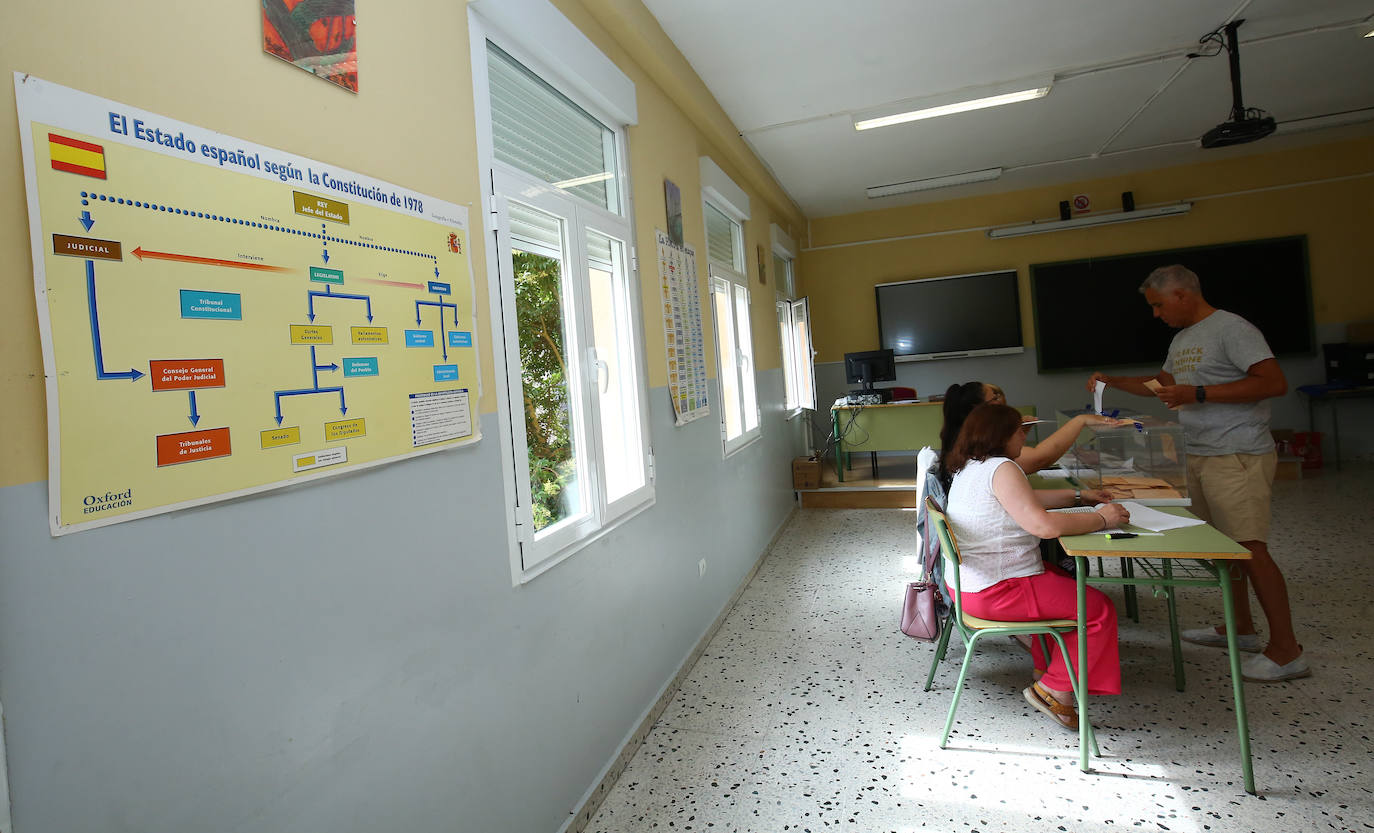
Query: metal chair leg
[1077,696]
[940,650]
[959,688]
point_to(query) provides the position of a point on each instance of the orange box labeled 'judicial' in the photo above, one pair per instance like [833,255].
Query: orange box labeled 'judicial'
[186,374]
[192,446]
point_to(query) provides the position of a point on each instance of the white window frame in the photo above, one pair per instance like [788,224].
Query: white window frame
[798,355]
[721,193]
[535,34]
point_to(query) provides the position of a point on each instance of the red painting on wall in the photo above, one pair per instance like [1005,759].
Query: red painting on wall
[319,36]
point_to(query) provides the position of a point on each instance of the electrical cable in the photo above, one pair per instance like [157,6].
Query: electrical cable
[1218,39]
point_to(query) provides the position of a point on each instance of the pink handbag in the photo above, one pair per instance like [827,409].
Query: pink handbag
[919,619]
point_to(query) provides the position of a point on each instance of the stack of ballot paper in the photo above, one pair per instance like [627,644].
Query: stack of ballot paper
[1155,520]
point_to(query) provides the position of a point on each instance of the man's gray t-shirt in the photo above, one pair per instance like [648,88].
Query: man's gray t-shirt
[1219,349]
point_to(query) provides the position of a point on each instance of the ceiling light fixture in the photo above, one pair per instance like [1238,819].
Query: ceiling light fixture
[875,191]
[1044,226]
[956,107]
[584,180]
[1369,34]
[1323,122]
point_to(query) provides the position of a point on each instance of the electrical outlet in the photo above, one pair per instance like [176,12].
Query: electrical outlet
[701,568]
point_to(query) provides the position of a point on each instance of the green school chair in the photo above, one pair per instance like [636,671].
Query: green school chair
[971,628]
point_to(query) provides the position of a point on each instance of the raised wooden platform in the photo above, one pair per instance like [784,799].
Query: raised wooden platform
[893,488]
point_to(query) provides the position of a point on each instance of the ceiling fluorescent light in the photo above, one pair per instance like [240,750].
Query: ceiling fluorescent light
[1086,220]
[1322,122]
[584,180]
[875,191]
[956,107]
[1369,34]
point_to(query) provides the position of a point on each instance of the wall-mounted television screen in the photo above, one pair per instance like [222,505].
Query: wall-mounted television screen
[950,317]
[1089,314]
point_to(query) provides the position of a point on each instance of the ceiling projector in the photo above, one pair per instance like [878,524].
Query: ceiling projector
[1238,132]
[1244,125]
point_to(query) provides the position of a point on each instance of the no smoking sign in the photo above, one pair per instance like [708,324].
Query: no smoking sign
[1081,202]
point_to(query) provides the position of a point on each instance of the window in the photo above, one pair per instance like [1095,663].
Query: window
[794,329]
[575,402]
[730,300]
[782,268]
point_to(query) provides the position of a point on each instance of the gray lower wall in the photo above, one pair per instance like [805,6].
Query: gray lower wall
[1049,392]
[350,655]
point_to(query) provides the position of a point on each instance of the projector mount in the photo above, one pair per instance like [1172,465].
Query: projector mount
[1245,124]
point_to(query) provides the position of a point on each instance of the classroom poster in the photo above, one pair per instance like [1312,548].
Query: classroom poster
[684,337]
[219,318]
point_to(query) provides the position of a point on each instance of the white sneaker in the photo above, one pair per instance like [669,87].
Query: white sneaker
[1208,636]
[1262,669]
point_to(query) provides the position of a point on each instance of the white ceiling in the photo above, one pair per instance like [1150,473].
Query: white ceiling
[794,74]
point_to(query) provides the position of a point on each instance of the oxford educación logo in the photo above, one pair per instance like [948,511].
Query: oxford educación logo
[110,500]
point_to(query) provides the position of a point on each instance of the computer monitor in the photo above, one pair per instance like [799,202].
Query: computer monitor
[868,367]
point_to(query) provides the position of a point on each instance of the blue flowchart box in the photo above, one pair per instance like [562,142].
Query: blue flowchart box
[459,339]
[196,303]
[366,366]
[419,338]
[440,288]
[446,373]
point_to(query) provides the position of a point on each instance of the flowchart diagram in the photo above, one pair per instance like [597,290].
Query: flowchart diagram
[221,318]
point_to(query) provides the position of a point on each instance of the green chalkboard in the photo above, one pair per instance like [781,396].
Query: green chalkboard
[1090,314]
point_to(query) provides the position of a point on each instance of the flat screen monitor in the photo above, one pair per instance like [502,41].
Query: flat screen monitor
[951,317]
[870,366]
[1089,314]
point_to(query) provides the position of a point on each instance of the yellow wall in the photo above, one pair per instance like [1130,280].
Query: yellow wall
[411,123]
[1336,217]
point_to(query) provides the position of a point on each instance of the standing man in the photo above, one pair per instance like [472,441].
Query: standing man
[1218,374]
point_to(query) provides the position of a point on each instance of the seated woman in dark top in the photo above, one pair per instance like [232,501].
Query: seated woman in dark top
[960,400]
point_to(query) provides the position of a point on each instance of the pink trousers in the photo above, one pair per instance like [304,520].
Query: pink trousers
[1054,595]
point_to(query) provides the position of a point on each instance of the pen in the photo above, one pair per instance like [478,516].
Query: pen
[1116,535]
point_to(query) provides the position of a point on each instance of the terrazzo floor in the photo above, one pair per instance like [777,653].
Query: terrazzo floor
[805,713]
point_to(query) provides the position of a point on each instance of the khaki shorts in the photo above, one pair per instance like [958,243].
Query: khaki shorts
[1231,492]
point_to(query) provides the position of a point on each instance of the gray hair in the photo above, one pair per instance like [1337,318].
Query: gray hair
[1175,276]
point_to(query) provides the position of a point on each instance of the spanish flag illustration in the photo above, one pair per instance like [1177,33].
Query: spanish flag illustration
[76,157]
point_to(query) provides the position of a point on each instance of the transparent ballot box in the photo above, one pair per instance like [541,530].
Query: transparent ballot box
[1142,460]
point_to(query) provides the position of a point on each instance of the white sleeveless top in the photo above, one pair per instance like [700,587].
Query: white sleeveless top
[993,545]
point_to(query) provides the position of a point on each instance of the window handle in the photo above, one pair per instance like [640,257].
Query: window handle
[601,368]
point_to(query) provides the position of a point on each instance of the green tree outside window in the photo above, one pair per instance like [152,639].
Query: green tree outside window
[544,372]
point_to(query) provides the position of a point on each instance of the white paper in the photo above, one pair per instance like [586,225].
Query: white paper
[1080,510]
[1097,395]
[1155,520]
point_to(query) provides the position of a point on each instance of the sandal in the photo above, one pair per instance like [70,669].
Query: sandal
[1044,702]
